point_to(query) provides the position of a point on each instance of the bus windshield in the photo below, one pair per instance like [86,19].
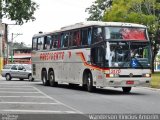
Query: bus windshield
[128,54]
[125,33]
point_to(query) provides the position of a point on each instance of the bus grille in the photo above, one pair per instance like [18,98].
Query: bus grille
[130,76]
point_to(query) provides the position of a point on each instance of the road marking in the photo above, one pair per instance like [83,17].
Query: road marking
[37,111]
[23,96]
[56,100]
[16,92]
[27,103]
[15,88]
[14,83]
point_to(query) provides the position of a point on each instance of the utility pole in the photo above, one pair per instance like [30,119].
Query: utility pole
[2,43]
[7,41]
[12,45]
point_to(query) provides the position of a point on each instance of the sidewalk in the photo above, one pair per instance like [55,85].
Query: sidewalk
[2,78]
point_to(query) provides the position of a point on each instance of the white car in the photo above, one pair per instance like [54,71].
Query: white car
[21,71]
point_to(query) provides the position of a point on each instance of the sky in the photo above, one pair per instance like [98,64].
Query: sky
[51,15]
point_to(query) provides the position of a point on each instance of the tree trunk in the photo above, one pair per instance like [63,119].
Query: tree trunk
[153,58]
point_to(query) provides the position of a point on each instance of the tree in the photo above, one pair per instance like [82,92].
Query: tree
[97,9]
[18,10]
[146,12]
[138,11]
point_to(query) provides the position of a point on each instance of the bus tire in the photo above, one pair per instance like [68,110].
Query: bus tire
[126,89]
[89,80]
[21,79]
[52,79]
[44,78]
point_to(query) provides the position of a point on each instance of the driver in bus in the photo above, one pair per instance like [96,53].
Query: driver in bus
[111,56]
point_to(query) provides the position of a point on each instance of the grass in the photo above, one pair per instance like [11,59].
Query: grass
[155,82]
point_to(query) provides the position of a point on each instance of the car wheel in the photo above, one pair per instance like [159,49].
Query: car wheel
[30,77]
[8,77]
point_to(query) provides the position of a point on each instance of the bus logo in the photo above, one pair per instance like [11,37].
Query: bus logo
[131,75]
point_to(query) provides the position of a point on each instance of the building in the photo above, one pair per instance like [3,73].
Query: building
[21,55]
[3,44]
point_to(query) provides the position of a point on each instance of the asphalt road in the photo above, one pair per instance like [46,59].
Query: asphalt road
[24,97]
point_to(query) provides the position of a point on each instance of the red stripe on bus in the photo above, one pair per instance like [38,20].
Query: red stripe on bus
[81,55]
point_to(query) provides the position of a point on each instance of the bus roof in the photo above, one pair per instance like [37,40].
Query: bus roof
[99,23]
[93,23]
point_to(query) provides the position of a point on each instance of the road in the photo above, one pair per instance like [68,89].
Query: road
[24,97]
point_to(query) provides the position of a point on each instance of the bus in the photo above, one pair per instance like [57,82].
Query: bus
[93,54]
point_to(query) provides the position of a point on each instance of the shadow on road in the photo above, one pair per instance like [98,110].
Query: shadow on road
[103,91]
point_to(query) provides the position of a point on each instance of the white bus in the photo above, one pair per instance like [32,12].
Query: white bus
[94,54]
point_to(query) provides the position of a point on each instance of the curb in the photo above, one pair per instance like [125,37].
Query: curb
[2,78]
[154,89]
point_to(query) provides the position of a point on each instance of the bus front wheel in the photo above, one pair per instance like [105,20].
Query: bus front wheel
[44,78]
[126,89]
[89,80]
[52,79]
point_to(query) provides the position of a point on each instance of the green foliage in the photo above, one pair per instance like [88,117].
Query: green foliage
[155,82]
[137,11]
[17,45]
[158,58]
[146,12]
[97,9]
[19,10]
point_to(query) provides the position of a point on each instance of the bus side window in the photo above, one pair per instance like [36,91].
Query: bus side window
[34,44]
[84,34]
[71,39]
[97,35]
[59,41]
[47,43]
[89,36]
[54,43]
[74,41]
[41,43]
[74,38]
[65,39]
[78,38]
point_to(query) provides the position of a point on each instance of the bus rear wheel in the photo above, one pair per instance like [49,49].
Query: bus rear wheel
[52,79]
[126,89]
[44,78]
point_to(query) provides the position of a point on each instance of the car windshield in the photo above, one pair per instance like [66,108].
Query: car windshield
[7,66]
[128,54]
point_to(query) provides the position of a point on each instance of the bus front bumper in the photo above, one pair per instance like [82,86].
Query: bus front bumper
[127,82]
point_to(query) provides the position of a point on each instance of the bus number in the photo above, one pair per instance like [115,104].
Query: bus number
[115,71]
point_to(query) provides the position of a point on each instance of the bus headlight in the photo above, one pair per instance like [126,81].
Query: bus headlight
[112,75]
[146,75]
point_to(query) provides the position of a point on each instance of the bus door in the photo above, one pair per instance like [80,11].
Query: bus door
[98,61]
